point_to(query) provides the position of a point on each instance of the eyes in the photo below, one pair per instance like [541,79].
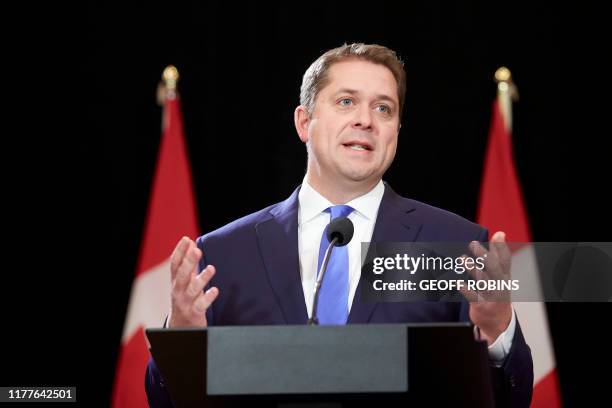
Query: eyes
[344,102]
[384,109]
[381,108]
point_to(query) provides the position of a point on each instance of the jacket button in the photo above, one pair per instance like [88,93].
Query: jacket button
[512,381]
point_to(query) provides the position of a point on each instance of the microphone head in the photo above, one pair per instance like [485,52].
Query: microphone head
[341,228]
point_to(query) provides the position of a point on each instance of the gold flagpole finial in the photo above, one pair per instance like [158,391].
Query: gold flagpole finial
[503,74]
[170,77]
[503,77]
[167,87]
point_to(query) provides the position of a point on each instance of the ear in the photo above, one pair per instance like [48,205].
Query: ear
[301,120]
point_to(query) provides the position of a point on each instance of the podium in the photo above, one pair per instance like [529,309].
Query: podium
[427,364]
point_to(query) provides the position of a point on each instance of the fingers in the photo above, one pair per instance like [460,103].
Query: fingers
[204,300]
[503,250]
[479,250]
[475,272]
[479,274]
[189,305]
[188,267]
[490,259]
[189,301]
[198,282]
[177,256]
[496,267]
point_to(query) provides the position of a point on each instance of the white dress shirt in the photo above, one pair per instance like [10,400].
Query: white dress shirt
[312,220]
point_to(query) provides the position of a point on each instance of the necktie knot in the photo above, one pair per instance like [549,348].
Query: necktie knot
[339,211]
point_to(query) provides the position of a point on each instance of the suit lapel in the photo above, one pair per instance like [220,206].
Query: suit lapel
[278,244]
[394,223]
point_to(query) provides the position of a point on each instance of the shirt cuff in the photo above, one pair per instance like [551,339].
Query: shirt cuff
[499,350]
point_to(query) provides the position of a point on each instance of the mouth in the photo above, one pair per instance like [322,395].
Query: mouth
[358,146]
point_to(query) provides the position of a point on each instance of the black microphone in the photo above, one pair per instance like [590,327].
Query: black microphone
[339,233]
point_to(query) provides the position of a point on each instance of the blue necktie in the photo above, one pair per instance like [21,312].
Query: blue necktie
[333,296]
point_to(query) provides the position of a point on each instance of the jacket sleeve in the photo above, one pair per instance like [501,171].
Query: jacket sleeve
[157,393]
[513,381]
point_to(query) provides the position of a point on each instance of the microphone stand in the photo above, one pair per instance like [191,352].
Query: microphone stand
[313,321]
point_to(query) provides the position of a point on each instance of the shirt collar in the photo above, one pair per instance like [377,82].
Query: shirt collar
[311,203]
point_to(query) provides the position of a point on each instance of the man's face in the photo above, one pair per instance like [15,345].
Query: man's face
[352,131]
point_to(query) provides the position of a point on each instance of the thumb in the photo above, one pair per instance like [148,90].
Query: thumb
[499,236]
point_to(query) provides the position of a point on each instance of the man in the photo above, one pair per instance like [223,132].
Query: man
[261,269]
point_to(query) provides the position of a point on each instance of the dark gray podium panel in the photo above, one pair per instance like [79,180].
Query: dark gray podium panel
[310,360]
[422,364]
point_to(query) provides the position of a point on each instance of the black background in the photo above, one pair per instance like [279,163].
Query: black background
[78,170]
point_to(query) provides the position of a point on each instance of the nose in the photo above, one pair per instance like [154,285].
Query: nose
[363,118]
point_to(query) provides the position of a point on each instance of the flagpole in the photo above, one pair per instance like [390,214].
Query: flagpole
[171,214]
[502,208]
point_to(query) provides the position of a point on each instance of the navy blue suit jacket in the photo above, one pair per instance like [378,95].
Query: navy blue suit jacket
[259,282]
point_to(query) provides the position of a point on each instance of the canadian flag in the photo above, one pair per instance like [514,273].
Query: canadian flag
[171,215]
[501,208]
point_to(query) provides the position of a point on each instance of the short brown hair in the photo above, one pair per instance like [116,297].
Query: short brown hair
[316,78]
